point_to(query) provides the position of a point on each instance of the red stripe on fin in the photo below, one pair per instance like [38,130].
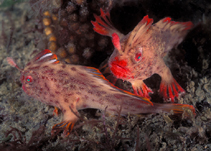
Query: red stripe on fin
[103,25]
[167,19]
[176,108]
[138,32]
[146,100]
[185,25]
[170,90]
[42,53]
[100,29]
[188,25]
[44,56]
[147,20]
[96,73]
[51,58]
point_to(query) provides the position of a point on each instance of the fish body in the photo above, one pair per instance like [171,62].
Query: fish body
[139,54]
[74,87]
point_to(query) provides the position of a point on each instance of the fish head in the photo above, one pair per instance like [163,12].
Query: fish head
[29,82]
[32,76]
[123,63]
[28,77]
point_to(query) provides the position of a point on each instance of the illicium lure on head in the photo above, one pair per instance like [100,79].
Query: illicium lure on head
[139,54]
[74,87]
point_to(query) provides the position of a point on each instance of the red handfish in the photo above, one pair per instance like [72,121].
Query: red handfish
[74,87]
[139,54]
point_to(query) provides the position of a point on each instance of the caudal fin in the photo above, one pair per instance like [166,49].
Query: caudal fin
[176,108]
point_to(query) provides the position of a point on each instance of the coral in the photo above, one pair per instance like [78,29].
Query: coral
[70,26]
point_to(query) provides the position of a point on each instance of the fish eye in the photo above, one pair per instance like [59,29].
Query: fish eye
[138,56]
[29,79]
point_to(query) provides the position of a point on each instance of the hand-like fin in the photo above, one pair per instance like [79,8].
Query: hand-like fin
[56,111]
[141,89]
[170,90]
[65,126]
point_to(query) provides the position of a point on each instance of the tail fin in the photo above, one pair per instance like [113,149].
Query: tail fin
[176,108]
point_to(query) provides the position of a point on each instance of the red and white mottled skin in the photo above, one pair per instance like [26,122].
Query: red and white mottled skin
[139,54]
[73,87]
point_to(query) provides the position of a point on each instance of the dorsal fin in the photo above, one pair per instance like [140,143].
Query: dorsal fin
[167,33]
[103,24]
[166,23]
[138,31]
[96,73]
[44,56]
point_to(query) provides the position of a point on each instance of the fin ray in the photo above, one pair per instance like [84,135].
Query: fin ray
[95,72]
[170,33]
[44,56]
[138,32]
[103,25]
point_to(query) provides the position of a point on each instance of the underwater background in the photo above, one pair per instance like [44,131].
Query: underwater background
[25,123]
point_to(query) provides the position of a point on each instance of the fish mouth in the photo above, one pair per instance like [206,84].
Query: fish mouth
[119,67]
[119,71]
[24,87]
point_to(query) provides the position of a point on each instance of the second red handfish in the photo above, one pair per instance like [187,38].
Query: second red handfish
[139,54]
